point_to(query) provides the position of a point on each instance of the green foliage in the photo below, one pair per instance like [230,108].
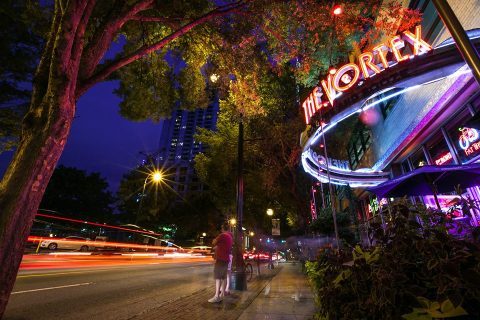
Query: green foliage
[420,268]
[74,192]
[147,89]
[23,25]
[435,310]
[324,224]
[193,216]
[271,152]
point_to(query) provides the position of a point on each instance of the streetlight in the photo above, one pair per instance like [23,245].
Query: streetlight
[269,212]
[214,77]
[337,9]
[156,176]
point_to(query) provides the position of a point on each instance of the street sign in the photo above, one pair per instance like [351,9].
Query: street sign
[275,227]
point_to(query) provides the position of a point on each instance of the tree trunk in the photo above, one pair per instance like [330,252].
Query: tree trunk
[24,183]
[44,135]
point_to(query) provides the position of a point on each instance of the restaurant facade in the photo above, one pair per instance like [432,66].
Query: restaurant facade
[409,102]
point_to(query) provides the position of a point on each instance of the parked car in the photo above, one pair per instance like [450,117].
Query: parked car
[67,243]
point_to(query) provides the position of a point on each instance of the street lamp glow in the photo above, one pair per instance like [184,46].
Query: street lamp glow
[337,10]
[157,176]
[233,221]
[252,234]
[204,234]
[214,78]
[269,212]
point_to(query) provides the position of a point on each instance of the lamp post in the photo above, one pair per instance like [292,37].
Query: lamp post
[156,177]
[336,10]
[239,280]
[467,50]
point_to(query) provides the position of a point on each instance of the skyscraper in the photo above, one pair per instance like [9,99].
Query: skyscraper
[178,146]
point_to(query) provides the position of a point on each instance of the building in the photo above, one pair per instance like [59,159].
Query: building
[178,147]
[410,101]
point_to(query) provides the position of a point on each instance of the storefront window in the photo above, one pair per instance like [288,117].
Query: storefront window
[465,134]
[438,150]
[418,159]
[476,103]
[405,166]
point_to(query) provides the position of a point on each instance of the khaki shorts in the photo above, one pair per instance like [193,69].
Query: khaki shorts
[220,269]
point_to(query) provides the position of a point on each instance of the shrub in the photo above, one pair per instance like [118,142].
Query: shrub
[419,268]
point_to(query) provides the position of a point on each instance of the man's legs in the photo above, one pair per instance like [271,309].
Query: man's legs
[218,287]
[226,284]
[218,296]
[219,271]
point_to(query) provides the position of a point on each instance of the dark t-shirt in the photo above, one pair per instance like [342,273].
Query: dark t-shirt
[223,244]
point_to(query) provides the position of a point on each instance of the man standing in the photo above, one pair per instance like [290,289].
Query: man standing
[223,248]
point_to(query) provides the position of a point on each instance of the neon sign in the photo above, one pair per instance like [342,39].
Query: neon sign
[349,74]
[444,159]
[468,136]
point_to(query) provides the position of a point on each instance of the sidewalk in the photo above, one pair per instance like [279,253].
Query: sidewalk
[287,297]
[281,293]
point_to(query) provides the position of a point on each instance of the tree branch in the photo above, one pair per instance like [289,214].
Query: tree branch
[144,50]
[64,41]
[40,79]
[105,33]
[157,19]
[80,35]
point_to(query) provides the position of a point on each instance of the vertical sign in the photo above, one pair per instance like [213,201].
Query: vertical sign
[275,227]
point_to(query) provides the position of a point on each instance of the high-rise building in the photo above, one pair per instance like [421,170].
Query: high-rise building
[178,146]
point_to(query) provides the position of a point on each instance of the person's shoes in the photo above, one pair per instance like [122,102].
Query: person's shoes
[215,299]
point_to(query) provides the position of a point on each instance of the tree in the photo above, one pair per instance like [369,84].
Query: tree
[272,175]
[193,216]
[324,224]
[74,192]
[71,62]
[23,25]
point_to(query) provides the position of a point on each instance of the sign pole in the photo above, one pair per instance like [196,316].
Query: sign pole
[470,55]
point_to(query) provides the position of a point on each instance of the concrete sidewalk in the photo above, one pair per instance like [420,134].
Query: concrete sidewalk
[281,293]
[287,296]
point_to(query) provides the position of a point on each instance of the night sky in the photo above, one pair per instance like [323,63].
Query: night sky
[100,139]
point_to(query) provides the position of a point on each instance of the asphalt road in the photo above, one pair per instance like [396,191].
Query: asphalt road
[117,291]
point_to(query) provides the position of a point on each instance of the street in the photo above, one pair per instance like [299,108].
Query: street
[102,287]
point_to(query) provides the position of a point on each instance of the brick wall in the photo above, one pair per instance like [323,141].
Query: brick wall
[467,12]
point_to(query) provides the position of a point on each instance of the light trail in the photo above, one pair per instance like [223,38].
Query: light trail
[103,244]
[59,261]
[103,225]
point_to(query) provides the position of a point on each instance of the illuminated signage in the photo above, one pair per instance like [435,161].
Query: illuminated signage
[473,148]
[349,74]
[444,159]
[466,139]
[335,163]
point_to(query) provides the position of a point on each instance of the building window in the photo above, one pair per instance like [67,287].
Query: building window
[359,143]
[418,159]
[405,166]
[465,134]
[438,150]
